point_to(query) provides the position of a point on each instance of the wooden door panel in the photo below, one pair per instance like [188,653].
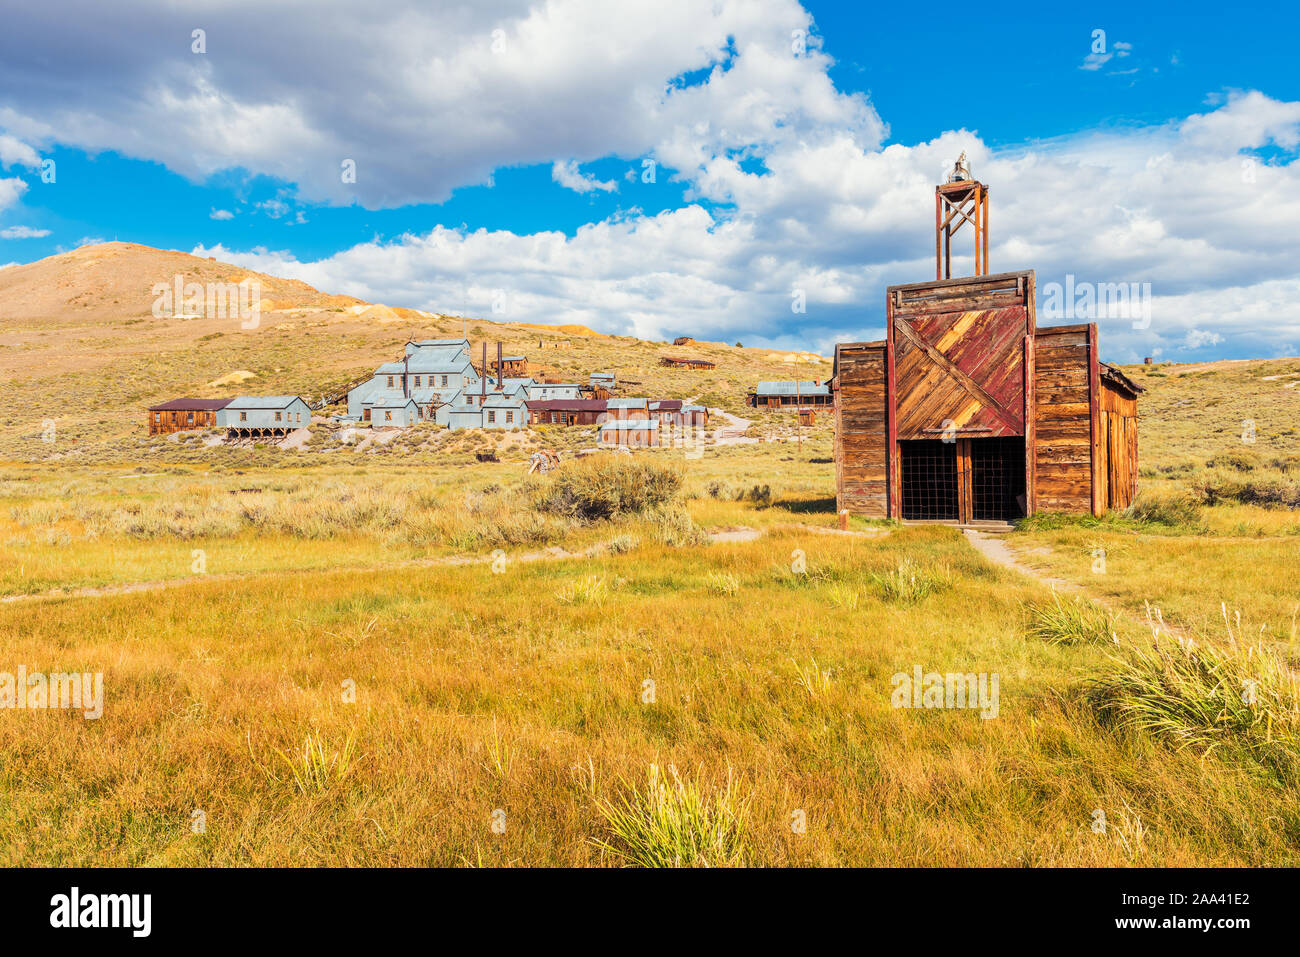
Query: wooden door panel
[964,368]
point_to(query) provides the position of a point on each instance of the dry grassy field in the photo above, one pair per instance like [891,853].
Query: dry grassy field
[397,655]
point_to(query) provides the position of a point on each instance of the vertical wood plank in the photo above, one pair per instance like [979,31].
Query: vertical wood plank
[1031,420]
[891,417]
[965,487]
[1094,401]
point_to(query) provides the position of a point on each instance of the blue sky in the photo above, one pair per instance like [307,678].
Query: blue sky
[501,148]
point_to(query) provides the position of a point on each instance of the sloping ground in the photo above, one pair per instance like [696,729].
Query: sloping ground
[1190,412]
[81,347]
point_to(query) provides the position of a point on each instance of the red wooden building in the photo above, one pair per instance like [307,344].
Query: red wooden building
[967,411]
[181,414]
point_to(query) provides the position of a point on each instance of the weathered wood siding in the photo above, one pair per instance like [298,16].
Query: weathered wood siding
[959,355]
[1118,422]
[861,429]
[1063,424]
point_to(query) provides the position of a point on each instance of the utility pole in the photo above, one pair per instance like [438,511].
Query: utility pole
[798,419]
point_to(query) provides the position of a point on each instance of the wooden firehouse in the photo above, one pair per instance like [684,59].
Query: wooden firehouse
[968,412]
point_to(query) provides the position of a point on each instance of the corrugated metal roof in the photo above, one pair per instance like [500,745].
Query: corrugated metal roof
[566,405]
[498,400]
[666,405]
[262,401]
[392,403]
[628,403]
[425,343]
[805,387]
[191,405]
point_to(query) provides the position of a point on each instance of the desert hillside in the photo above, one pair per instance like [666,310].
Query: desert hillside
[79,343]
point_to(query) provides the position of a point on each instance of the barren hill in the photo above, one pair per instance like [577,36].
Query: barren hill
[80,343]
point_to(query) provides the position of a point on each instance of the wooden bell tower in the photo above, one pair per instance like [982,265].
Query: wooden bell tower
[962,199]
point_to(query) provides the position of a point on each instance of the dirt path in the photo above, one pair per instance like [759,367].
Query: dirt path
[733,433]
[994,548]
[722,535]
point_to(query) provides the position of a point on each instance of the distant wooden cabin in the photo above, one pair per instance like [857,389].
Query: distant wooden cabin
[510,367]
[681,362]
[969,413]
[807,393]
[630,433]
[807,417]
[565,411]
[178,415]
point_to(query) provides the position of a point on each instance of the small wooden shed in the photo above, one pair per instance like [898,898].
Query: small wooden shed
[682,362]
[179,415]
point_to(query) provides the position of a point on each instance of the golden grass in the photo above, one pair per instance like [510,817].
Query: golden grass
[354,680]
[479,692]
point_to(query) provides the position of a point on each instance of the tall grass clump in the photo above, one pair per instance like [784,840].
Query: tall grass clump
[315,768]
[1076,622]
[909,583]
[1173,511]
[1207,696]
[674,823]
[674,527]
[607,486]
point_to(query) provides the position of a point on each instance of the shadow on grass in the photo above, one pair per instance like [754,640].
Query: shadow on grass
[808,506]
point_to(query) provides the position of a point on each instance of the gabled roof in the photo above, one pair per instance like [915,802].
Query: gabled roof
[190,405]
[435,361]
[393,402]
[499,400]
[436,343]
[625,403]
[263,401]
[666,405]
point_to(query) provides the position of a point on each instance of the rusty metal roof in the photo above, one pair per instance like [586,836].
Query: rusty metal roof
[191,405]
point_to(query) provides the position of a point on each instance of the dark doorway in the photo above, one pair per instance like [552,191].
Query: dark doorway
[964,480]
[929,480]
[997,468]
